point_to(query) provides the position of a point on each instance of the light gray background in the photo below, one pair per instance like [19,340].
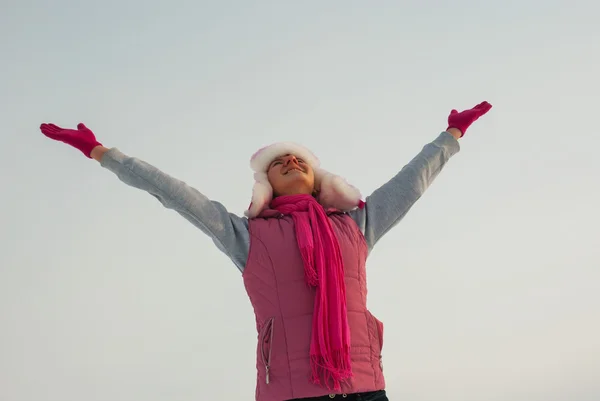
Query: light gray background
[489,287]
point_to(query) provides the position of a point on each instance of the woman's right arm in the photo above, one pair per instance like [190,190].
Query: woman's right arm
[228,231]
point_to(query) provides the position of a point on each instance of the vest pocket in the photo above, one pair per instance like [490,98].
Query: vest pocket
[379,330]
[266,345]
[379,326]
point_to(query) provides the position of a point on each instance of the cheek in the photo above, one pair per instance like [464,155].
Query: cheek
[311,174]
[273,177]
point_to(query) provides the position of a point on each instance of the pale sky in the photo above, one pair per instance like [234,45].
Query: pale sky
[488,289]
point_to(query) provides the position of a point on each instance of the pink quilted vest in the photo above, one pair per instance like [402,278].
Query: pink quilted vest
[283,305]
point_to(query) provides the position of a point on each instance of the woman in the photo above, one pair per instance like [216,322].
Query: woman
[301,248]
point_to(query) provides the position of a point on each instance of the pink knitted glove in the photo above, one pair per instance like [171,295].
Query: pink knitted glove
[82,138]
[464,119]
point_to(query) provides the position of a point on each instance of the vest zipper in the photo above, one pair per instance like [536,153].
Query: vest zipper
[267,337]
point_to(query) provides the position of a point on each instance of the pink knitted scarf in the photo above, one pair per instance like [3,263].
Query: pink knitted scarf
[324,269]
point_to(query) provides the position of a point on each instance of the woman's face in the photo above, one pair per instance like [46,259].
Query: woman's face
[290,175]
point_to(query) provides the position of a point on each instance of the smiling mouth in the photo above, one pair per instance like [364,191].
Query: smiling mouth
[293,169]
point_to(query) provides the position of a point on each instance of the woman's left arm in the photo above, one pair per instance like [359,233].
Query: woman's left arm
[385,207]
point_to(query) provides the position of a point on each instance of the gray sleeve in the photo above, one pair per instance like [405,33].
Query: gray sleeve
[228,231]
[385,207]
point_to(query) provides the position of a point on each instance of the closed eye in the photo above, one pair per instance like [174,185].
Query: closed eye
[276,162]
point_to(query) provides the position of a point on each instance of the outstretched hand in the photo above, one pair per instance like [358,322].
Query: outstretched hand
[463,120]
[81,138]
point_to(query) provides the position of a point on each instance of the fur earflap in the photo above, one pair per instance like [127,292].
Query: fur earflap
[333,191]
[262,194]
[336,192]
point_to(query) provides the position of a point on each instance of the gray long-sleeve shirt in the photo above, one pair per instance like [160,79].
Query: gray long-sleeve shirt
[384,208]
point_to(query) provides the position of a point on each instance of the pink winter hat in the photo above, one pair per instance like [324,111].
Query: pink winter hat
[333,191]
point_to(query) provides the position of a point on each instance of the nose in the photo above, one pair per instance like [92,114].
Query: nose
[289,158]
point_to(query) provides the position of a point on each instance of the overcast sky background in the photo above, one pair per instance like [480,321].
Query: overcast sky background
[488,289]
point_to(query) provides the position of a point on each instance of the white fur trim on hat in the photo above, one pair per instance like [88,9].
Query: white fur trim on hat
[334,191]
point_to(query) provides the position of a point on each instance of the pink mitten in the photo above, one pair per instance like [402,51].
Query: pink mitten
[82,138]
[464,119]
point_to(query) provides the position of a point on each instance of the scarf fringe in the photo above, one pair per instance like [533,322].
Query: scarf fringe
[332,373]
